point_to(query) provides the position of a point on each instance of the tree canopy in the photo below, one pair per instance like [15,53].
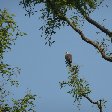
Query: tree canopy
[9,32]
[69,13]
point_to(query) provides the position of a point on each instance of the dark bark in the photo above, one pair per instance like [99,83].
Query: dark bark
[99,26]
[97,46]
[98,103]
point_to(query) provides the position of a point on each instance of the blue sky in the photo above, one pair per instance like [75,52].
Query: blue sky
[42,67]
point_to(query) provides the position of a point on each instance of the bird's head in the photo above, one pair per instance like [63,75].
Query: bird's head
[67,53]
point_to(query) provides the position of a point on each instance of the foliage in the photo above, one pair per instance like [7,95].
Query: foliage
[73,13]
[9,32]
[79,87]
[53,11]
[25,104]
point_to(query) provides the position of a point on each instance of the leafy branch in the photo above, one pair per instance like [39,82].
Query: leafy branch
[80,88]
[9,32]
[55,15]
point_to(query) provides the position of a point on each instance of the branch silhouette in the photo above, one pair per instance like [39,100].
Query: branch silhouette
[99,26]
[99,105]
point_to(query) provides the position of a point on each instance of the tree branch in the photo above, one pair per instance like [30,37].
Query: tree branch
[90,100]
[96,45]
[99,105]
[99,26]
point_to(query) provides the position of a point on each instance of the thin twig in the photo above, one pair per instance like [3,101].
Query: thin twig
[99,105]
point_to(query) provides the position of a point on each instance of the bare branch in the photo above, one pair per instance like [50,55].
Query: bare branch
[90,100]
[97,46]
[99,26]
[99,105]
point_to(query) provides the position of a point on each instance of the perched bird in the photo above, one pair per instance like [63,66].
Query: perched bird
[68,58]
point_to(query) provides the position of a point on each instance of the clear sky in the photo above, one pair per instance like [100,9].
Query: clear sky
[43,67]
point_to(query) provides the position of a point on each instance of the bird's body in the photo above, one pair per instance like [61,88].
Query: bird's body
[68,58]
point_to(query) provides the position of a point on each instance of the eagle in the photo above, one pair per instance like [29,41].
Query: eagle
[68,59]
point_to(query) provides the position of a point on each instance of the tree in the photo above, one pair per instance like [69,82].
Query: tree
[58,13]
[9,32]
[79,88]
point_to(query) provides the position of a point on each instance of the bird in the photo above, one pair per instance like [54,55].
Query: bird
[68,59]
